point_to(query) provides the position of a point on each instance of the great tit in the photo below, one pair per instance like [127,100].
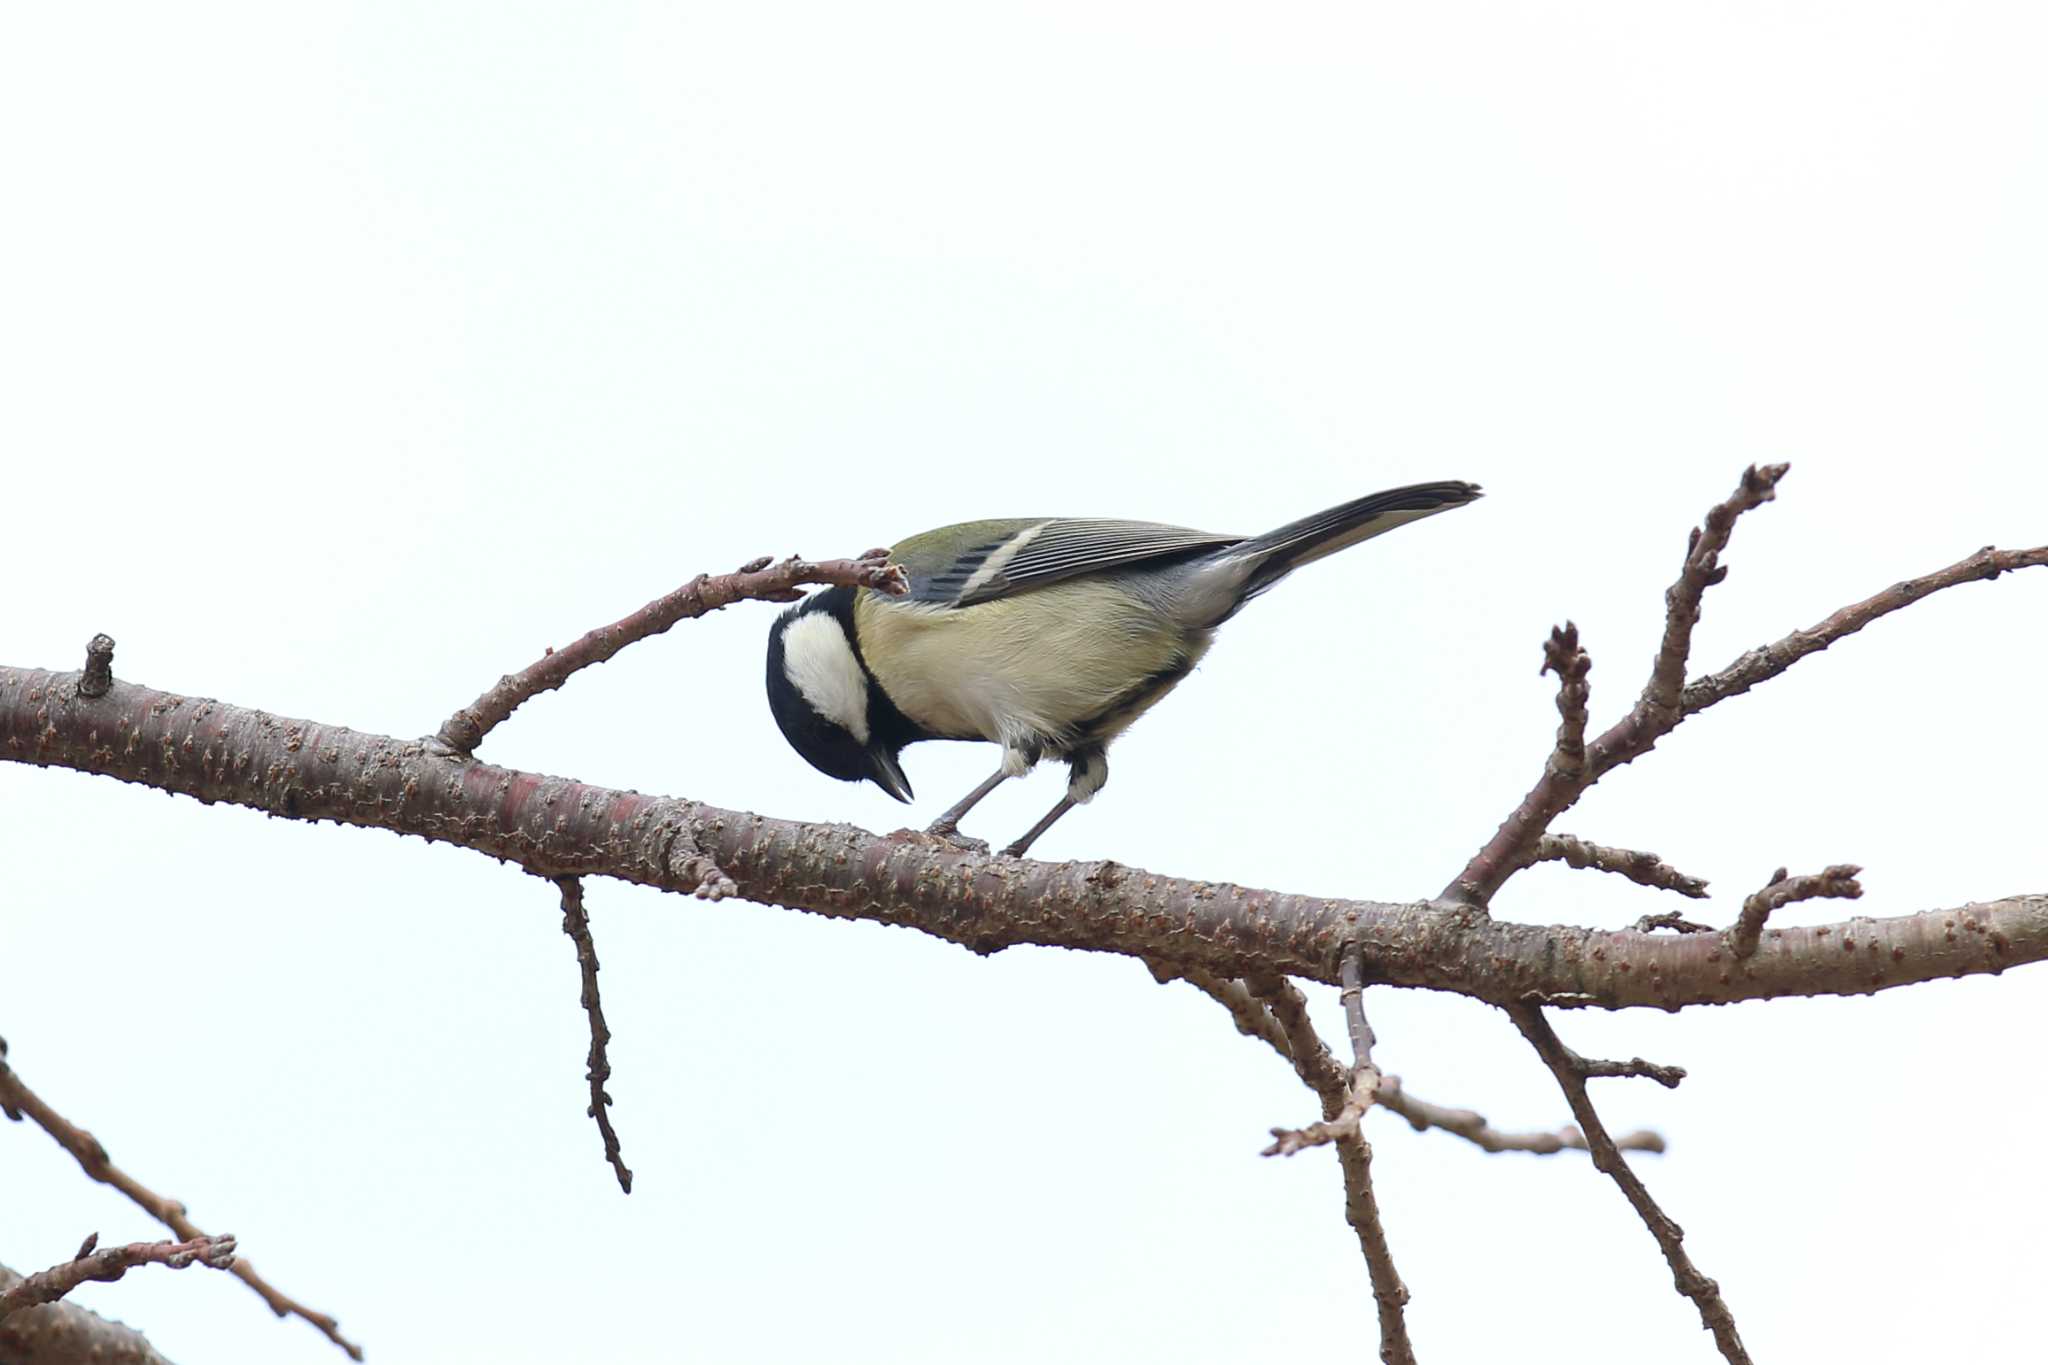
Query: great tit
[1046,635]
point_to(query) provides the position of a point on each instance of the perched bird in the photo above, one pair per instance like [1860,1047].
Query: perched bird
[1046,635]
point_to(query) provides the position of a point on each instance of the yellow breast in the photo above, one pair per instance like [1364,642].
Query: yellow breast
[1040,663]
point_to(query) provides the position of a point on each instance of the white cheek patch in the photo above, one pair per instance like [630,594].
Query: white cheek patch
[820,665]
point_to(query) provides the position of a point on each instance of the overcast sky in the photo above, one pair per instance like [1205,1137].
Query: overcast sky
[354,354]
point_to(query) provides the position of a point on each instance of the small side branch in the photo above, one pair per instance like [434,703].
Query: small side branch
[111,1263]
[1564,656]
[1247,1011]
[758,580]
[1641,867]
[1564,777]
[1702,569]
[98,677]
[1351,979]
[1768,661]
[1571,1071]
[1673,921]
[576,924]
[18,1101]
[1838,882]
[1666,1076]
[1319,1071]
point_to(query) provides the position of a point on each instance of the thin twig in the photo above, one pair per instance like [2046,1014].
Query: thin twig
[1564,777]
[576,924]
[111,1263]
[1473,1127]
[1666,1076]
[758,580]
[1641,867]
[1768,661]
[1838,882]
[1571,1070]
[1351,978]
[1563,655]
[17,1100]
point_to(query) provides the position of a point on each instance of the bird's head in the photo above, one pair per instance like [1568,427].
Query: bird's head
[829,708]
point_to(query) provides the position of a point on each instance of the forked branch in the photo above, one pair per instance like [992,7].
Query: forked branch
[17,1101]
[1575,765]
[1571,1071]
[1346,1092]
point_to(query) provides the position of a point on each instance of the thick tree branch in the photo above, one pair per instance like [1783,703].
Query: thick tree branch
[66,1334]
[759,580]
[576,924]
[303,770]
[111,1263]
[17,1100]
[1571,1071]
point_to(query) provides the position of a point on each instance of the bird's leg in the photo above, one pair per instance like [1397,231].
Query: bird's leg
[1089,773]
[1030,836]
[947,825]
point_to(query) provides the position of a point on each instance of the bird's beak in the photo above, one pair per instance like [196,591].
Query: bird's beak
[885,772]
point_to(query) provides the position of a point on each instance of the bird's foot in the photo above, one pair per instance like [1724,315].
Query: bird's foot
[948,833]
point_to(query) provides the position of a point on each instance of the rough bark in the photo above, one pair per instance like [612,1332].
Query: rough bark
[304,770]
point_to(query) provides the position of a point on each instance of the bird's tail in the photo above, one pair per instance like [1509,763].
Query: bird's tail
[1276,554]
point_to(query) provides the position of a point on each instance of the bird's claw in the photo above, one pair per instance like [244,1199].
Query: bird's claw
[949,834]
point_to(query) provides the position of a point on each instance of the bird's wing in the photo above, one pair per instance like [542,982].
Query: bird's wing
[1004,557]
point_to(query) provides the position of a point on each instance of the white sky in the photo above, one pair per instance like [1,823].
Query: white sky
[353,354]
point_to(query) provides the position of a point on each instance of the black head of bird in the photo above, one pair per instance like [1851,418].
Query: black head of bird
[1048,636]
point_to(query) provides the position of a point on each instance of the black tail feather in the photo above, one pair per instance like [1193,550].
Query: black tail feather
[1282,551]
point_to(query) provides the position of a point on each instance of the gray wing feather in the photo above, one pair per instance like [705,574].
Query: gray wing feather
[1044,552]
